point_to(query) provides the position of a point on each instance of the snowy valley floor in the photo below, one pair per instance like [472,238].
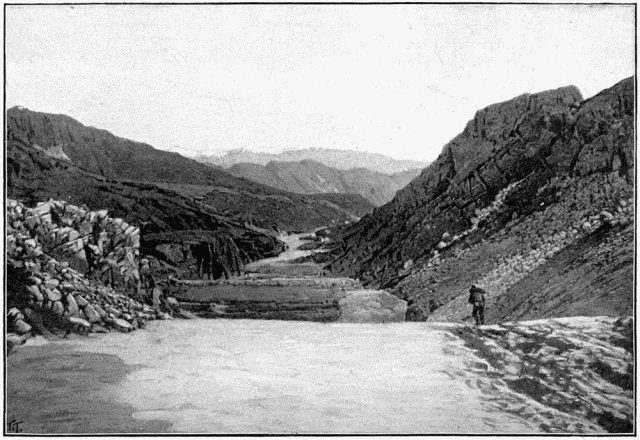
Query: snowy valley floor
[278,377]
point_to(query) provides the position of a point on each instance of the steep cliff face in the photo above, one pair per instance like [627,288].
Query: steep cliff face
[310,177]
[518,145]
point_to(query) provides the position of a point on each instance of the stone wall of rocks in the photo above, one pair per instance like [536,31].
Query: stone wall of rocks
[71,269]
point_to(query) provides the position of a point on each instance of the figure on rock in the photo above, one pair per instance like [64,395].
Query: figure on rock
[147,282]
[477,298]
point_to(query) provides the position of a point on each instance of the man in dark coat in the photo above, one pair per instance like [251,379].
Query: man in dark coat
[476,297]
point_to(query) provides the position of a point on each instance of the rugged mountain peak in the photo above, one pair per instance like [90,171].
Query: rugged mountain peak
[525,141]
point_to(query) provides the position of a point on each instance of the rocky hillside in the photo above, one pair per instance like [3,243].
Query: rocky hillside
[101,153]
[70,269]
[166,218]
[334,158]
[541,184]
[310,176]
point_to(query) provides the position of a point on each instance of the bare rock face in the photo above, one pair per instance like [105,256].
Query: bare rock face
[520,144]
[201,255]
[362,306]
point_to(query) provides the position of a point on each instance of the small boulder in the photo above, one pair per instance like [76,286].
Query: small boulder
[81,301]
[57,308]
[72,305]
[122,325]
[52,294]
[101,312]
[15,313]
[21,327]
[52,283]
[90,312]
[79,323]
[371,306]
[96,328]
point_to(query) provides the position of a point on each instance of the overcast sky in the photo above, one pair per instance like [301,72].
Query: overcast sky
[401,80]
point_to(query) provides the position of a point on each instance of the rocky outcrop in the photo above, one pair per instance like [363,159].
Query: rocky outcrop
[310,177]
[580,367]
[517,149]
[205,254]
[361,306]
[286,298]
[71,269]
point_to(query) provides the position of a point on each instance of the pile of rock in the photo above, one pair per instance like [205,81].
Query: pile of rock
[48,294]
[90,241]
[371,306]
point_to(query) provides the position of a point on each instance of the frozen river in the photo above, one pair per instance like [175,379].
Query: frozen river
[279,377]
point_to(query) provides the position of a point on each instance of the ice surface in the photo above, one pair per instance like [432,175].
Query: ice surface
[244,376]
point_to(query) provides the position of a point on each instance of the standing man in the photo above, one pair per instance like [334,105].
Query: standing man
[476,297]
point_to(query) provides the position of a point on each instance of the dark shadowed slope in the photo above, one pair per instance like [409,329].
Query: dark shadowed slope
[99,152]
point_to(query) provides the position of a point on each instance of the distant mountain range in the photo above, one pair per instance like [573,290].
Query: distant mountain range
[310,177]
[340,159]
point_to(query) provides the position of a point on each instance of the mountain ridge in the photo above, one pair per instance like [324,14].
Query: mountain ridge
[335,158]
[525,180]
[310,176]
[100,152]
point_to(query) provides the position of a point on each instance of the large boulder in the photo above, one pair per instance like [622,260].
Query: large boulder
[371,306]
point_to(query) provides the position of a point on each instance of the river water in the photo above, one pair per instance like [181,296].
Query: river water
[279,377]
